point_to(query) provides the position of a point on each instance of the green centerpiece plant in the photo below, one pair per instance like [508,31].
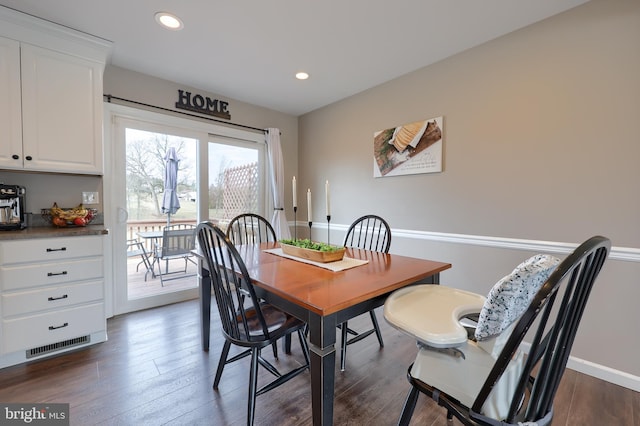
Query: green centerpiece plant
[311,245]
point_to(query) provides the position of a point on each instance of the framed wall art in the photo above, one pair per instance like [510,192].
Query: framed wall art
[408,149]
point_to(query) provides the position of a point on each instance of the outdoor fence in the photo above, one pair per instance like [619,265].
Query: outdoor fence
[240,191]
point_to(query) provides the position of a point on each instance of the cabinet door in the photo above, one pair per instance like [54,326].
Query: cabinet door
[61,111]
[10,109]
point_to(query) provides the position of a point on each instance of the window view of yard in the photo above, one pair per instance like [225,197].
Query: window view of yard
[233,188]
[233,178]
[146,152]
[233,181]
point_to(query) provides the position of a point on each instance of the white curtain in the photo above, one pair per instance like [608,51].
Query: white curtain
[279,220]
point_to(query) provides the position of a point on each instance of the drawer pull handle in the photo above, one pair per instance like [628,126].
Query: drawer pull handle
[64,296]
[58,249]
[53,327]
[51,274]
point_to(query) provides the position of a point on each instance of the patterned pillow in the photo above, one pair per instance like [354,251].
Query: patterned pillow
[511,296]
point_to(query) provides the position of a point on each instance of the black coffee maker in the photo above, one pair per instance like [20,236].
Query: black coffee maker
[12,215]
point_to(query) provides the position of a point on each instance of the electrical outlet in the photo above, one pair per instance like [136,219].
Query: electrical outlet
[90,198]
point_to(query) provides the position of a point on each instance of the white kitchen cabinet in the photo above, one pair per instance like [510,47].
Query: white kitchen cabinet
[52,117]
[51,296]
[10,104]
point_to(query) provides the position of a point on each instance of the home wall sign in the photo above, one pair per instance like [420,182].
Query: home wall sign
[203,104]
[408,149]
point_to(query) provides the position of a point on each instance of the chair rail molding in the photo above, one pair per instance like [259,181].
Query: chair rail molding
[628,254]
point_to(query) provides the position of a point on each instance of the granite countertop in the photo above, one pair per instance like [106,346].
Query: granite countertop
[52,232]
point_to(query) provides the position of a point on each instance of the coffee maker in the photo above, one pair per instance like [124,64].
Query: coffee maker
[12,215]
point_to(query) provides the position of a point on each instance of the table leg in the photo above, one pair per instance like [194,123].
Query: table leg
[322,338]
[204,280]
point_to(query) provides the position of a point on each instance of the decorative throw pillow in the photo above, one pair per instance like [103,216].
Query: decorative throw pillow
[511,296]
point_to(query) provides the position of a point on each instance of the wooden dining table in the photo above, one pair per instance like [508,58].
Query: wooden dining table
[323,299]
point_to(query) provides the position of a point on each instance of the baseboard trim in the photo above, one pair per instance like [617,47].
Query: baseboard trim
[607,374]
[601,372]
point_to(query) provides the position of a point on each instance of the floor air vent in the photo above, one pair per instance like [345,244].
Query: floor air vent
[57,346]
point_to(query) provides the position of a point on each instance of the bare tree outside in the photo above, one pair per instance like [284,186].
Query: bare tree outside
[146,153]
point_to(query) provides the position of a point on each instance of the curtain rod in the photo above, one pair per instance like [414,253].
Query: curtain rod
[109,97]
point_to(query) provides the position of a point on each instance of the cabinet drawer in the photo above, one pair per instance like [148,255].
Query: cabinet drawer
[56,326]
[19,277]
[48,298]
[49,249]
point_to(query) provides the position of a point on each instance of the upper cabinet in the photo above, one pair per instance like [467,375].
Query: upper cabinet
[51,119]
[10,104]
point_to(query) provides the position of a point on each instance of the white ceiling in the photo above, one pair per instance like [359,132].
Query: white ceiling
[249,50]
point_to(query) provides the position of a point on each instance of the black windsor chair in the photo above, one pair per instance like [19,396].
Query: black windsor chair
[369,232]
[488,380]
[254,326]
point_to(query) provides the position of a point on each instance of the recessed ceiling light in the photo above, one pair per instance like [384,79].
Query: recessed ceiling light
[169,21]
[302,75]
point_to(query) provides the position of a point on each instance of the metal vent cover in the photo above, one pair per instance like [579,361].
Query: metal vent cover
[30,353]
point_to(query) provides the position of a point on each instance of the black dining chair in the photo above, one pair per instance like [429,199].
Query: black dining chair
[250,228]
[485,377]
[369,232]
[246,322]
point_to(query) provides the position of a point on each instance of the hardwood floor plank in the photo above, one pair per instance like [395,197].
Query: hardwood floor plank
[152,371]
[615,406]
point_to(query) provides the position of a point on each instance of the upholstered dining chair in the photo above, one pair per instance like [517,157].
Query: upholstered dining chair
[369,232]
[485,377]
[253,325]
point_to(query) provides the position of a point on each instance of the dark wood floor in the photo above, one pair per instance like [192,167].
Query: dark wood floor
[152,371]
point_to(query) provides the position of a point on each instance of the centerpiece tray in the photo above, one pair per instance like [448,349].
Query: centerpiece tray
[326,255]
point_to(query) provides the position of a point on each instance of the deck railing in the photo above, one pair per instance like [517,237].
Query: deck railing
[135,226]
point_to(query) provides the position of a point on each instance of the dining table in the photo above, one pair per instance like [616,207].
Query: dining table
[324,296]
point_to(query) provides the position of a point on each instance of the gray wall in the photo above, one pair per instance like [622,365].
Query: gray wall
[541,151]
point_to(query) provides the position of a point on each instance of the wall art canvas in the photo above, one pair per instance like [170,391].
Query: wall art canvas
[408,149]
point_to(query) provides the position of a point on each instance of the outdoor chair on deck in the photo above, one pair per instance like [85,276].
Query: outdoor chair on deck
[136,248]
[253,325]
[178,241]
[369,232]
[482,376]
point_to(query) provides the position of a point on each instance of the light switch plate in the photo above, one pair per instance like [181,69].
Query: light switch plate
[90,198]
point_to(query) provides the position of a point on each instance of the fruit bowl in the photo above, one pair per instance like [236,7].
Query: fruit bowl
[69,217]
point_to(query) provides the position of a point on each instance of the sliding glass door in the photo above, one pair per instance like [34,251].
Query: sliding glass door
[221,172]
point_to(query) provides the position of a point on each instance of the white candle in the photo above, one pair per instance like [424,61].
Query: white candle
[309,205]
[295,196]
[326,189]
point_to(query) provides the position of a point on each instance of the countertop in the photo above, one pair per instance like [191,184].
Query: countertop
[52,232]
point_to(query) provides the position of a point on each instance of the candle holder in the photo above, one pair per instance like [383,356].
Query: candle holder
[310,223]
[295,224]
[329,229]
